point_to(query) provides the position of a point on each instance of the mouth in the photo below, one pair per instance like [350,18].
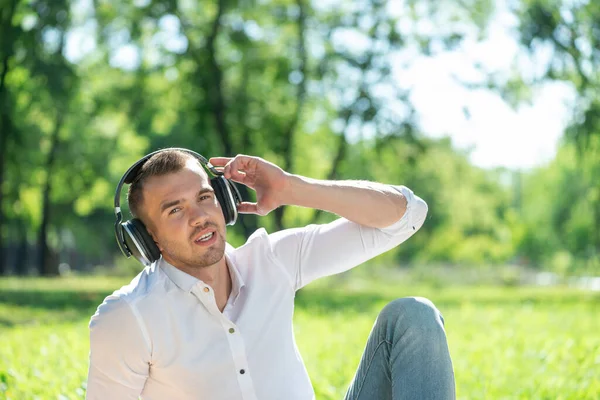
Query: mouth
[206,238]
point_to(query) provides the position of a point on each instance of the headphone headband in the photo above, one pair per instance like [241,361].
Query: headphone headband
[132,172]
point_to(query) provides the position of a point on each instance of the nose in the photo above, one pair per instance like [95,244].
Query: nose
[198,215]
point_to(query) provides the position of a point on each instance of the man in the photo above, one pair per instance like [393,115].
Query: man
[207,321]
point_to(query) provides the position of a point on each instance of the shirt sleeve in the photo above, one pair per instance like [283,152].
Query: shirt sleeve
[119,352]
[320,250]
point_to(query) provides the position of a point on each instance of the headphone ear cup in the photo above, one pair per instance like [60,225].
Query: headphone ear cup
[140,243]
[235,193]
[226,198]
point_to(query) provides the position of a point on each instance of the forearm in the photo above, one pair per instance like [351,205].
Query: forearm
[367,203]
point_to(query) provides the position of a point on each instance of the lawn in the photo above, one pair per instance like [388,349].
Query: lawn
[506,342]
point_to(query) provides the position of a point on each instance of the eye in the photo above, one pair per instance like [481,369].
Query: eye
[174,210]
[204,197]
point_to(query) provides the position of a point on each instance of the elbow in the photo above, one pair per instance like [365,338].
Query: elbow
[397,205]
[419,213]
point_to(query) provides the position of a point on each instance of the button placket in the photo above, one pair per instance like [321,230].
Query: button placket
[240,360]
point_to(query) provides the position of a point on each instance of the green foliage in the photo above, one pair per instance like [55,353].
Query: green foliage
[560,210]
[468,209]
[306,85]
[515,342]
[278,79]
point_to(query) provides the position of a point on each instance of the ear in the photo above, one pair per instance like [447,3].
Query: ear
[153,236]
[150,230]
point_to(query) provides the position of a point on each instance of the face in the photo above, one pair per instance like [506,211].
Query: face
[182,214]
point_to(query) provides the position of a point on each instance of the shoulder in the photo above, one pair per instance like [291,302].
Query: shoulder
[262,241]
[119,339]
[273,248]
[256,244]
[256,240]
[119,305]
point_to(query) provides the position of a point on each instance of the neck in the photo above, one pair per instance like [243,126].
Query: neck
[212,275]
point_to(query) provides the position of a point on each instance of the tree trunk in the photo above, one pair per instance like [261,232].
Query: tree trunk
[213,88]
[46,264]
[22,250]
[6,48]
[5,131]
[288,135]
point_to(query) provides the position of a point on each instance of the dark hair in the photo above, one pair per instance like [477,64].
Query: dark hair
[163,163]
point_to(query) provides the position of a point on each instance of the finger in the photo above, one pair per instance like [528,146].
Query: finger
[243,163]
[238,176]
[219,161]
[247,208]
[234,171]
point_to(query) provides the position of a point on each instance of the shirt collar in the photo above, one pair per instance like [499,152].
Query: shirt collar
[186,281]
[237,282]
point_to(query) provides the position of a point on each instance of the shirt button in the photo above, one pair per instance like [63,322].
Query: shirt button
[231,330]
[206,289]
[242,371]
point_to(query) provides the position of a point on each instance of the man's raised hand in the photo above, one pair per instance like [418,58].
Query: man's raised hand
[265,178]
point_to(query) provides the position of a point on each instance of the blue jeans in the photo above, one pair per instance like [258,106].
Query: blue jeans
[406,356]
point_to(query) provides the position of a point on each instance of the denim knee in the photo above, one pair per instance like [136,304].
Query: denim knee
[414,313]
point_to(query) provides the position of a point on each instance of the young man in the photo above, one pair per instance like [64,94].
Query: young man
[207,321]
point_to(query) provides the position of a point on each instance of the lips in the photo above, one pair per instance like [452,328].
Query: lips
[206,237]
[203,233]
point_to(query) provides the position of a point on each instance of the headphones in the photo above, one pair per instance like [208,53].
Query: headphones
[132,236]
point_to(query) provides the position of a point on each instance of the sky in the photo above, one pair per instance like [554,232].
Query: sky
[478,120]
[496,134]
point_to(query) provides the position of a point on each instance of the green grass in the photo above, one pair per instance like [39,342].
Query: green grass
[506,343]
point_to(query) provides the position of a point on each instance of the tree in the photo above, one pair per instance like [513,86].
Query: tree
[8,35]
[311,87]
[571,32]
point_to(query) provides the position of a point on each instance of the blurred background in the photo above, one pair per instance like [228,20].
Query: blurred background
[489,110]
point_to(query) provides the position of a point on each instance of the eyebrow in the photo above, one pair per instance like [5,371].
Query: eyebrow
[172,203]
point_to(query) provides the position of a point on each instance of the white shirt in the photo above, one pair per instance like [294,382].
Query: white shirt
[163,337]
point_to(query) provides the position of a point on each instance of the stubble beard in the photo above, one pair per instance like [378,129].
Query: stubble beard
[210,256]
